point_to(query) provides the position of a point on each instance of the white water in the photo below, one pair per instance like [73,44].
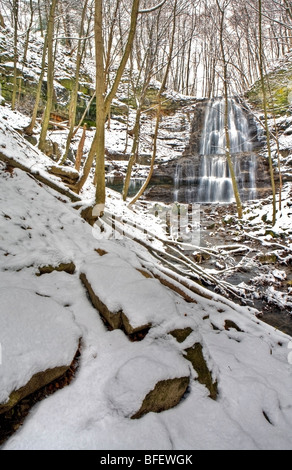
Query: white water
[215,181]
[185,173]
[213,139]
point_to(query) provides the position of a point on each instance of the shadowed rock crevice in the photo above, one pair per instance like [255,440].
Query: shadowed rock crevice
[40,387]
[38,381]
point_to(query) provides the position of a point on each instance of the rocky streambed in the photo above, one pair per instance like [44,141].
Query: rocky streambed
[256,260]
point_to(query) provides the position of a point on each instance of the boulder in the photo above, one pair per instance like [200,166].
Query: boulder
[181,334]
[196,357]
[38,381]
[131,301]
[166,395]
[115,319]
[39,340]
[68,175]
[68,268]
[154,381]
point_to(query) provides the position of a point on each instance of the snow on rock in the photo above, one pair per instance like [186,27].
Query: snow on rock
[251,363]
[67,174]
[155,380]
[36,335]
[129,294]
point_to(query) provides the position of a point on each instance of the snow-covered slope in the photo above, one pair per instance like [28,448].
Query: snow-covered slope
[248,359]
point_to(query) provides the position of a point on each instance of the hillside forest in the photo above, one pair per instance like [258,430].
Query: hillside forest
[145,224]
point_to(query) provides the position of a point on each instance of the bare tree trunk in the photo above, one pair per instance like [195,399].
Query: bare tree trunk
[264,91]
[146,184]
[80,149]
[66,22]
[100,107]
[74,94]
[2,22]
[28,30]
[98,144]
[25,49]
[226,115]
[133,155]
[29,129]
[149,59]
[158,117]
[15,51]
[50,76]
[40,19]
[110,43]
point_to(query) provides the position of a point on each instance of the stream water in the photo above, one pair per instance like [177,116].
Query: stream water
[258,276]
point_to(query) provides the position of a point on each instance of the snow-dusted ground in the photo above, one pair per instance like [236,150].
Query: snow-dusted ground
[252,366]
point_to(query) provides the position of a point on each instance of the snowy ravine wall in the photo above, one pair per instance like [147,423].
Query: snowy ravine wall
[201,174]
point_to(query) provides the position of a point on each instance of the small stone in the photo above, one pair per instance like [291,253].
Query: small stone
[181,334]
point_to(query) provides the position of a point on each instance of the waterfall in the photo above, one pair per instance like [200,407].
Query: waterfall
[206,178]
[185,173]
[215,184]
[213,138]
[215,181]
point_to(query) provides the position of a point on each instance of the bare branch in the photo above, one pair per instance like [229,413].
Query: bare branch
[150,10]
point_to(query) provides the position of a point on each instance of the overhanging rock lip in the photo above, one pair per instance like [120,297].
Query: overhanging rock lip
[115,319]
[37,381]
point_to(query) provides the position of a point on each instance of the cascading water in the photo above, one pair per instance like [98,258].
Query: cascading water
[213,182]
[213,138]
[185,173]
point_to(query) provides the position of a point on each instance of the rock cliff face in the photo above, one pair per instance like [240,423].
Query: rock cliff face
[198,126]
[279,83]
[187,179]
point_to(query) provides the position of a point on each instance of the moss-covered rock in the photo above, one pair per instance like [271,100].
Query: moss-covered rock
[196,357]
[181,334]
[279,88]
[268,258]
[68,268]
[67,83]
[231,325]
[166,395]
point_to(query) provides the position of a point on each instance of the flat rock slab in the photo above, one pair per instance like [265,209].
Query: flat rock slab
[154,381]
[129,300]
[39,340]
[68,268]
[65,173]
